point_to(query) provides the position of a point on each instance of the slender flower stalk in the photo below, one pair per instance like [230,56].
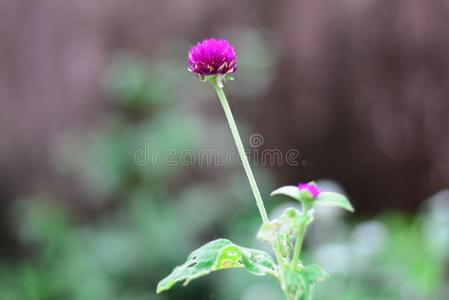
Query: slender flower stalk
[238,142]
[214,61]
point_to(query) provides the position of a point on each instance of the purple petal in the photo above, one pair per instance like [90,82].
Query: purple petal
[310,187]
[212,57]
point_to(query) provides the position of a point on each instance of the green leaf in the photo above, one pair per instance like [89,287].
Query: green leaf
[333,199]
[300,283]
[289,191]
[218,255]
[309,276]
[312,274]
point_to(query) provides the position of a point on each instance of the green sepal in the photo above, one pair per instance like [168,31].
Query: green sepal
[334,200]
[323,198]
[218,255]
[218,79]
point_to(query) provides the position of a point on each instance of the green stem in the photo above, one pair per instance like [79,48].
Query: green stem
[299,241]
[241,150]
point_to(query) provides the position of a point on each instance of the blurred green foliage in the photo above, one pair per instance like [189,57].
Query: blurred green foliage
[149,216]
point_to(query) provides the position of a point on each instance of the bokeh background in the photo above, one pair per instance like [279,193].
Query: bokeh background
[359,87]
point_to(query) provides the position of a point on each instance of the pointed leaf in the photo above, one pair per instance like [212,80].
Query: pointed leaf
[289,191]
[310,275]
[217,255]
[300,283]
[333,199]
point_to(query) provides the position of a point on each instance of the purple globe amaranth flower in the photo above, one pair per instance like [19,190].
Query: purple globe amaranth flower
[310,187]
[214,58]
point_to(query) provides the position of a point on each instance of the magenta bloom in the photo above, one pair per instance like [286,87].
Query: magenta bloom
[309,187]
[212,57]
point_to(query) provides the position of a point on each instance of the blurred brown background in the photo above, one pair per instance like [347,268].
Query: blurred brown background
[361,88]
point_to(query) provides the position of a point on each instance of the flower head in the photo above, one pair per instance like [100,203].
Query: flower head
[212,57]
[309,187]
